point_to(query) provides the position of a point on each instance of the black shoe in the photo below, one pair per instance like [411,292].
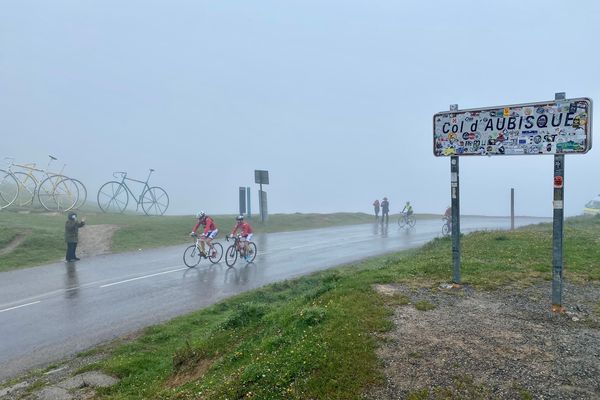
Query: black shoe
[76,259]
[69,260]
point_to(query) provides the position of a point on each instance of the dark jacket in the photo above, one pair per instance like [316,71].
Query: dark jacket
[72,230]
[385,206]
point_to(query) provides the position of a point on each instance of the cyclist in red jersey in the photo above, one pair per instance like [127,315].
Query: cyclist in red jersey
[210,230]
[245,233]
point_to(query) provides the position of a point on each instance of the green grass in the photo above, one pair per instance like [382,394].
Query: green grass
[44,232]
[312,338]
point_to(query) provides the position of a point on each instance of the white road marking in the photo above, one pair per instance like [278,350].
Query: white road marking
[143,277]
[22,305]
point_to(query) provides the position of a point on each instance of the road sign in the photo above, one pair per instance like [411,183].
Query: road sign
[261,176]
[554,127]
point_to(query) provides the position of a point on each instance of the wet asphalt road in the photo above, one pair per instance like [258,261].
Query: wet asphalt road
[54,311]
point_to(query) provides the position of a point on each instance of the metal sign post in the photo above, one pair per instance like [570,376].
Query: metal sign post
[242,200]
[262,177]
[557,227]
[512,209]
[455,198]
[249,211]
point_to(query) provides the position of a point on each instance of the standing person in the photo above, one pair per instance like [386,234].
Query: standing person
[245,233]
[72,235]
[385,210]
[376,207]
[210,230]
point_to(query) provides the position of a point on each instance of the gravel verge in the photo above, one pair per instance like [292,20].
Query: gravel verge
[504,344]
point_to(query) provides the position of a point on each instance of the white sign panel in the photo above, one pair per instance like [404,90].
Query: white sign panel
[556,127]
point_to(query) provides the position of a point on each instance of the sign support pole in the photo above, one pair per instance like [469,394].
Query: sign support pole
[455,197]
[557,227]
[512,209]
[260,201]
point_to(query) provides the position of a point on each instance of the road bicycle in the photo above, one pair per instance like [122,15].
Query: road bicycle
[447,227]
[193,254]
[55,192]
[113,196]
[406,220]
[237,248]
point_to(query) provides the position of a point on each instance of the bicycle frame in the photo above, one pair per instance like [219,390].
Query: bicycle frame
[138,199]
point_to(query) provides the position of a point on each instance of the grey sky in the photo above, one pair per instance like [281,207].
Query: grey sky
[334,98]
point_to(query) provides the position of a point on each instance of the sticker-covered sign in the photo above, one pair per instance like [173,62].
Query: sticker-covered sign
[557,127]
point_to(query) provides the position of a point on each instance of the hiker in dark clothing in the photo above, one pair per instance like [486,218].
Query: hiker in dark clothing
[72,235]
[385,210]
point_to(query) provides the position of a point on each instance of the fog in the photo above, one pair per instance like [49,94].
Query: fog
[334,98]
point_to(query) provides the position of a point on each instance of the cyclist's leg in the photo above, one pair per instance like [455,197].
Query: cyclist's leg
[202,243]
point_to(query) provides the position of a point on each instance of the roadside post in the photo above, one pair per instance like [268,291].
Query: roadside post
[512,209]
[242,200]
[455,203]
[557,226]
[262,177]
[249,210]
[559,127]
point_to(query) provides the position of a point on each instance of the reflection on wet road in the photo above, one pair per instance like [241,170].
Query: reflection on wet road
[49,312]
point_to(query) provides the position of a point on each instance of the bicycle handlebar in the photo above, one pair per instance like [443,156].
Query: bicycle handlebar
[122,173]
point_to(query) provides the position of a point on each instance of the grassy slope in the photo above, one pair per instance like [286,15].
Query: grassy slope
[45,232]
[313,337]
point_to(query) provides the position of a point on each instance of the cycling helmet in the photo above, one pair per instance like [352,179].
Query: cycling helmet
[201,214]
[239,218]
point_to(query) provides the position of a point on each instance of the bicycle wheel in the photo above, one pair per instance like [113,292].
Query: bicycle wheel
[155,201]
[9,189]
[216,253]
[411,221]
[113,197]
[191,256]
[445,229]
[27,187]
[82,194]
[57,193]
[401,221]
[231,255]
[251,255]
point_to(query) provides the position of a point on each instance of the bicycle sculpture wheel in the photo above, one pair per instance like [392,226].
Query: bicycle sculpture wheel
[155,201]
[27,188]
[58,193]
[9,189]
[113,197]
[82,193]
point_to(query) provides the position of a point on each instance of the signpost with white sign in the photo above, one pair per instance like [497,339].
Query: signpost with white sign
[559,127]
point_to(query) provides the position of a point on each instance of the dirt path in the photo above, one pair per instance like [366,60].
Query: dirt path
[495,345]
[16,242]
[95,239]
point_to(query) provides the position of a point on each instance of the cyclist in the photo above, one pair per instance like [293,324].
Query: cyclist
[245,233]
[448,217]
[407,210]
[210,230]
